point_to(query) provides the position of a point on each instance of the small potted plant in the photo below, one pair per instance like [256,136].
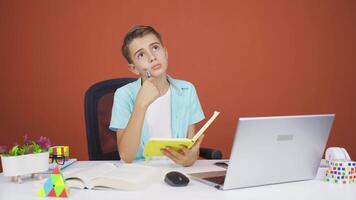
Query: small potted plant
[29,158]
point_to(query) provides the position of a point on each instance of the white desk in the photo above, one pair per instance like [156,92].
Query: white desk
[314,189]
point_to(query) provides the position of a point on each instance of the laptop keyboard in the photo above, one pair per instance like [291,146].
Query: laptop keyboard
[218,179]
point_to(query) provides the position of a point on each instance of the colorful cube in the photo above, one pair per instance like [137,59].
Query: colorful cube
[59,151]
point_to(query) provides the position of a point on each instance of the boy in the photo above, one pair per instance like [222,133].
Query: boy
[156,105]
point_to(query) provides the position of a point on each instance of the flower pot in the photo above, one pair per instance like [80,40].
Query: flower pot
[24,164]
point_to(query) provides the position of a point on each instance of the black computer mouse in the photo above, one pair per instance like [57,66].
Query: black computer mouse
[176,179]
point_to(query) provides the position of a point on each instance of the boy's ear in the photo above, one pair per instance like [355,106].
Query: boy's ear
[133,69]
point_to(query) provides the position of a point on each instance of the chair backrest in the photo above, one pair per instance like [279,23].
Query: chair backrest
[98,101]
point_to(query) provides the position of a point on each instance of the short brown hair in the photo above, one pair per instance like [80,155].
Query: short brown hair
[133,33]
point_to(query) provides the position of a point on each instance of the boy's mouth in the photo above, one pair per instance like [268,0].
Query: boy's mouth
[156,66]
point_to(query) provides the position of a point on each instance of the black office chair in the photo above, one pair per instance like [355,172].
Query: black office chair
[98,101]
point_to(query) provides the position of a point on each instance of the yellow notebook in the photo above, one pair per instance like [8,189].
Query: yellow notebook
[154,145]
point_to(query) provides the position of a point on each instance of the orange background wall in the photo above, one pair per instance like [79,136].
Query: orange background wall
[246,58]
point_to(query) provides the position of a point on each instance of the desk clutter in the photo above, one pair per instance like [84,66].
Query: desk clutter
[28,158]
[55,185]
[341,169]
[341,172]
[59,157]
[34,158]
[58,154]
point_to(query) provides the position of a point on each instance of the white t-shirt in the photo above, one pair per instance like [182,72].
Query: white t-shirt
[158,117]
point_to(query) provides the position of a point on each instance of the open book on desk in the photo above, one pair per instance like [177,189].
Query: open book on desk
[113,176]
[154,145]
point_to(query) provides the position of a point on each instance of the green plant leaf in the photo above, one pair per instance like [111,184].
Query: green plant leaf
[36,148]
[14,150]
[29,147]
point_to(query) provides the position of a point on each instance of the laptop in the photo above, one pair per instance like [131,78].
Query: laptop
[270,150]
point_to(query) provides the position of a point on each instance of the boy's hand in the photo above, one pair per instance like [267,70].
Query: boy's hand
[148,93]
[184,156]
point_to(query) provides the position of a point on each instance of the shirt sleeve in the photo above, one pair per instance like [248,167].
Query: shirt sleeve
[121,111]
[196,112]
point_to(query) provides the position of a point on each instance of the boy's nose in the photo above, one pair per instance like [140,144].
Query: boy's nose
[152,57]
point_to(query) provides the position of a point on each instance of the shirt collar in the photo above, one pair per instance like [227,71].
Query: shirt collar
[176,84]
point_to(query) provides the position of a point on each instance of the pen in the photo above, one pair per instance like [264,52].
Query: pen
[148,74]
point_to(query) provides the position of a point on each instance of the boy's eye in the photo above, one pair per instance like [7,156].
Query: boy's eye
[155,47]
[140,55]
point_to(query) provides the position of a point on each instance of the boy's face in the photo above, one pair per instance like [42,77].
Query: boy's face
[147,53]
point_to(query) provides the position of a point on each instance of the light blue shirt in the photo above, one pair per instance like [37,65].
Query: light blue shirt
[185,105]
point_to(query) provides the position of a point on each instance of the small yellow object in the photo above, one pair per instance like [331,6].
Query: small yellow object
[154,145]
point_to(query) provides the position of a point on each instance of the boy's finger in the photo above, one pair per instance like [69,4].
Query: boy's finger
[199,141]
[184,149]
[183,146]
[174,153]
[152,80]
[168,153]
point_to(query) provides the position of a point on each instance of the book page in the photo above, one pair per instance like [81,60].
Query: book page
[75,183]
[206,125]
[127,177]
[85,174]
[118,176]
